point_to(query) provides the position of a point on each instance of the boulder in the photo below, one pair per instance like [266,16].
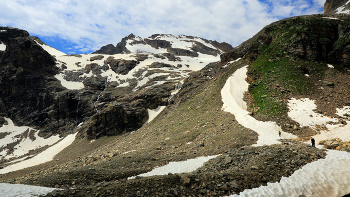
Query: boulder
[331,144]
[182,52]
[158,43]
[122,66]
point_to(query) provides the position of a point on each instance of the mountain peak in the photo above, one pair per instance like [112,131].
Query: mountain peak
[165,43]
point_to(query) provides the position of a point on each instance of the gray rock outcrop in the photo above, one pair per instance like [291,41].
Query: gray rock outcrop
[331,6]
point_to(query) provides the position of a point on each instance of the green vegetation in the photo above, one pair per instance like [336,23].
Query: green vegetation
[277,72]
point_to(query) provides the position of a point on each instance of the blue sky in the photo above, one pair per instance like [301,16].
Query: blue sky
[75,26]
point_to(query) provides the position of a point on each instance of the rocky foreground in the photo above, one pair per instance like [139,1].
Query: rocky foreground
[229,173]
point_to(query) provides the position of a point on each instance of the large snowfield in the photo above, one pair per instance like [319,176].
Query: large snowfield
[324,177]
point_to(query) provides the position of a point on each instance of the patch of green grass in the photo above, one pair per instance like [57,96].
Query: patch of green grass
[277,76]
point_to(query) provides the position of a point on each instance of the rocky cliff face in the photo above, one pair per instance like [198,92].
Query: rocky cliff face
[336,6]
[315,38]
[29,93]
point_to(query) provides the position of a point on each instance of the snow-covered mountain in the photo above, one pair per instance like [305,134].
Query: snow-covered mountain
[144,63]
[74,93]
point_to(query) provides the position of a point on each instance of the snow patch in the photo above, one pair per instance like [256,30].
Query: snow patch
[11,190]
[70,85]
[129,152]
[344,112]
[187,166]
[80,124]
[152,113]
[52,51]
[324,177]
[331,18]
[26,143]
[302,111]
[229,63]
[232,96]
[42,157]
[184,42]
[2,47]
[341,10]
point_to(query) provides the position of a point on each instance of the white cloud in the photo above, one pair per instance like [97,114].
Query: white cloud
[319,2]
[91,23]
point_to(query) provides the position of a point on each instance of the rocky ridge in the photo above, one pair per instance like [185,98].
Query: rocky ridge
[161,41]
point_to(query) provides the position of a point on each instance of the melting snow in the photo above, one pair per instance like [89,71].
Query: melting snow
[229,63]
[42,157]
[341,10]
[331,18]
[189,165]
[324,177]
[195,64]
[25,142]
[2,47]
[232,96]
[301,111]
[152,113]
[11,190]
[71,85]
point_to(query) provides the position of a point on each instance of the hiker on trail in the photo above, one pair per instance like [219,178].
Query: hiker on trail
[313,142]
[279,133]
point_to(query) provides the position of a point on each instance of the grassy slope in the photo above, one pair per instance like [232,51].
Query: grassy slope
[280,70]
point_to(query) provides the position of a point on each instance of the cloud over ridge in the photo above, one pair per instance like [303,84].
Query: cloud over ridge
[84,26]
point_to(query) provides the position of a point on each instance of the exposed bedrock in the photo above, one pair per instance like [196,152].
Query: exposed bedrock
[313,38]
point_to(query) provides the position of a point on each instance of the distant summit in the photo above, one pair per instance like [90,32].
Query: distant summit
[167,42]
[337,7]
